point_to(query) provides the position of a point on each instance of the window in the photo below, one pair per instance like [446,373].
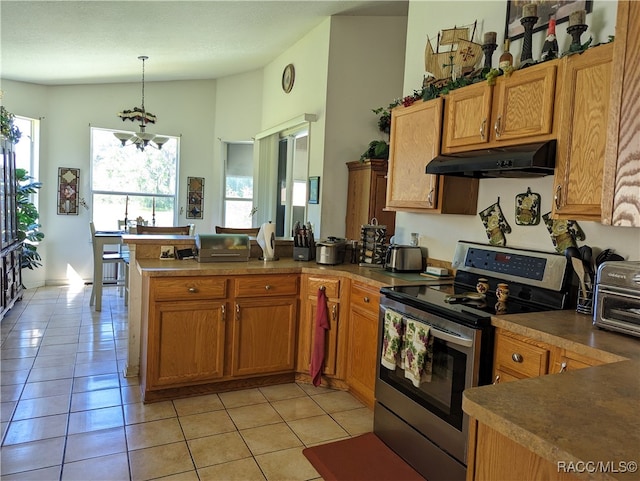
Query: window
[27,147]
[125,180]
[238,185]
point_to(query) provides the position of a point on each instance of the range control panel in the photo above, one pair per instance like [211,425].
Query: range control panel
[543,269]
[519,265]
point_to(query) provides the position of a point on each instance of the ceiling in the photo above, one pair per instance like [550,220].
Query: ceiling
[60,42]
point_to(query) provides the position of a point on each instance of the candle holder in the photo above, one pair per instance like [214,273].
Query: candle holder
[488,49]
[526,57]
[576,31]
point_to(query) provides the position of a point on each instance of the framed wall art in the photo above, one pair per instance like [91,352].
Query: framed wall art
[195,197]
[546,9]
[68,182]
[314,190]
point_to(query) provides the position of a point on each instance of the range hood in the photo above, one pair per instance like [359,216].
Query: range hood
[529,160]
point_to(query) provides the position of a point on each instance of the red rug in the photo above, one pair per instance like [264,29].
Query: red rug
[363,458]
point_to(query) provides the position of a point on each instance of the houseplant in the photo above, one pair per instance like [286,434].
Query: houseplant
[28,227]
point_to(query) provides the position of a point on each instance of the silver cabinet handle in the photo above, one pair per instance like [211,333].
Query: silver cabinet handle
[193,290]
[557,197]
[563,367]
[366,299]
[267,287]
[223,312]
[517,357]
[430,197]
[237,312]
[496,127]
[497,379]
[334,312]
[482,128]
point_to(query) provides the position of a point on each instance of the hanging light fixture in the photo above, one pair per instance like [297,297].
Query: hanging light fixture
[140,139]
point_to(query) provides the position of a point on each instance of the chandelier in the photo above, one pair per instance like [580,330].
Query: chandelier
[142,138]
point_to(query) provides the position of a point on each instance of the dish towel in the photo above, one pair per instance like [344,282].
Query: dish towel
[322,325]
[392,340]
[418,353]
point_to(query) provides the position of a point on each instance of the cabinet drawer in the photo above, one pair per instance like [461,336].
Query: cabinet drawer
[366,297]
[331,286]
[519,358]
[259,286]
[188,288]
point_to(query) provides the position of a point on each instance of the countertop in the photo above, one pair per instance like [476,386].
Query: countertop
[190,267]
[588,415]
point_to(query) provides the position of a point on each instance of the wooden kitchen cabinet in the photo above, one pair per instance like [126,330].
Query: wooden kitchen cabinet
[336,289]
[518,109]
[185,331]
[364,308]
[621,185]
[415,141]
[494,456]
[582,134]
[519,357]
[265,324]
[367,196]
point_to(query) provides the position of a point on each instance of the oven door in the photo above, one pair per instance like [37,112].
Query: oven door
[434,408]
[617,309]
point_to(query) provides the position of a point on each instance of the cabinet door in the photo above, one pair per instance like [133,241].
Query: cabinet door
[582,134]
[467,118]
[621,187]
[563,360]
[264,336]
[523,104]
[363,341]
[185,342]
[415,141]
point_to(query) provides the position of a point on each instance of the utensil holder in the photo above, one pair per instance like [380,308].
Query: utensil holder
[585,301]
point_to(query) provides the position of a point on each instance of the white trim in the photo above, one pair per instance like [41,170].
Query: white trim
[289,124]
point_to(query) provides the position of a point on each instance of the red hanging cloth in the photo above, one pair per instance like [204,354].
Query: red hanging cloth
[322,325]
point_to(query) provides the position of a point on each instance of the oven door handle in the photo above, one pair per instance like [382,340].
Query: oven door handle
[445,336]
[604,290]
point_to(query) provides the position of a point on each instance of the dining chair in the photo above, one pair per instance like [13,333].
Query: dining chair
[250,231]
[101,257]
[148,229]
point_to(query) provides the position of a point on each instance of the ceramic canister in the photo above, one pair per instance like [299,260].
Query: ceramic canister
[482,286]
[502,292]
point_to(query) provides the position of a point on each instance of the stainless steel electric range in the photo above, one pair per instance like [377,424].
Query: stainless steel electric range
[425,424]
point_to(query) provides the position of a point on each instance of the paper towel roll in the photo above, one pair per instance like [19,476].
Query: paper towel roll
[266,239]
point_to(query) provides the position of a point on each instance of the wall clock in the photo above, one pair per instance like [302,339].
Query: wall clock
[288,77]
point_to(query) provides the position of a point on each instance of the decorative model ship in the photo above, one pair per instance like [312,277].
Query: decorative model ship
[461,58]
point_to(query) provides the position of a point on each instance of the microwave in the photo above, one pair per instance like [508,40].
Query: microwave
[617,297]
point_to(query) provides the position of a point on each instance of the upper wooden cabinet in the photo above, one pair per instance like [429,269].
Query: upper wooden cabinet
[366,197]
[583,110]
[415,141]
[519,109]
[621,185]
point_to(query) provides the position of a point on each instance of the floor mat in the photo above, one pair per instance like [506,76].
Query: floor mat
[363,458]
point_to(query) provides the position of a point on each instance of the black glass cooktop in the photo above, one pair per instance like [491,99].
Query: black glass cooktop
[439,298]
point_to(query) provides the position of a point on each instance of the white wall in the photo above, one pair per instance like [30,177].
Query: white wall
[440,232]
[366,69]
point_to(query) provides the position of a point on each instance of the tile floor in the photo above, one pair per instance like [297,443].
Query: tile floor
[69,414]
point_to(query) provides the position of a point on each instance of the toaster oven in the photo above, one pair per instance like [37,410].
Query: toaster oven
[617,297]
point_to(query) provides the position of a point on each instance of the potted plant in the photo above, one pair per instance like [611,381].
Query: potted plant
[28,227]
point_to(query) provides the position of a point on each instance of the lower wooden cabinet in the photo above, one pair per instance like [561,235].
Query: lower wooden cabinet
[493,456]
[363,341]
[209,329]
[186,342]
[519,357]
[336,336]
[264,336]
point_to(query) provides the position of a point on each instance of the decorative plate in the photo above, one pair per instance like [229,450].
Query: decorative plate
[288,77]
[528,208]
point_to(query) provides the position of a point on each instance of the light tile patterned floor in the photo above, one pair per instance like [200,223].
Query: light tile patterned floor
[69,414]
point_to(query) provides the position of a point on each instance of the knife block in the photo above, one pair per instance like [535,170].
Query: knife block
[304,253]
